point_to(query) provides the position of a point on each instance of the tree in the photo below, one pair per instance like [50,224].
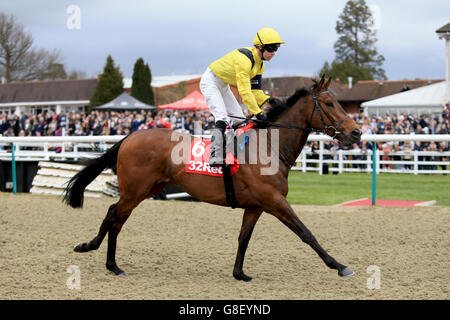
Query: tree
[344,70]
[76,74]
[19,61]
[53,71]
[141,88]
[356,54]
[110,84]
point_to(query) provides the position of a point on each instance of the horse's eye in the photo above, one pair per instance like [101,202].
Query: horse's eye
[329,104]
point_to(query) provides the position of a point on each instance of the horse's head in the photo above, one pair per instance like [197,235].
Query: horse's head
[328,115]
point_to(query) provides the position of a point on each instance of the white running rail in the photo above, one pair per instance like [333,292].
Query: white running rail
[67,148]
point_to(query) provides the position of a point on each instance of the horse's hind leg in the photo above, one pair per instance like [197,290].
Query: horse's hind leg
[122,212]
[117,215]
[284,212]
[95,243]
[249,220]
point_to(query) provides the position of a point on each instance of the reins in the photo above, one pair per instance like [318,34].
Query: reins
[271,124]
[317,106]
[309,129]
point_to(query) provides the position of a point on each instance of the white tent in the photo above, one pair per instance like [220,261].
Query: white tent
[423,100]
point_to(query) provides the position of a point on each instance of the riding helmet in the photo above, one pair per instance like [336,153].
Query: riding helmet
[267,36]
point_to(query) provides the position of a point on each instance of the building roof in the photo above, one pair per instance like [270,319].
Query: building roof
[444,29]
[162,81]
[444,32]
[431,96]
[370,90]
[81,90]
[16,93]
[286,86]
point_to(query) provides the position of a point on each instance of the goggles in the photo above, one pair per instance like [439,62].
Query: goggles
[273,47]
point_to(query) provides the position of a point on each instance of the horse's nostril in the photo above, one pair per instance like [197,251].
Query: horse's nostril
[356,133]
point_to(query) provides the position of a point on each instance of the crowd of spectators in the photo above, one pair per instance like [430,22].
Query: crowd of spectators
[406,124]
[102,122]
[123,123]
[396,150]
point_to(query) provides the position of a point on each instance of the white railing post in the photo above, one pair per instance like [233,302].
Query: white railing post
[304,161]
[47,157]
[341,161]
[416,162]
[378,159]
[320,157]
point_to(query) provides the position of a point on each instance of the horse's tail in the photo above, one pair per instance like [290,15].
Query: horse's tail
[74,192]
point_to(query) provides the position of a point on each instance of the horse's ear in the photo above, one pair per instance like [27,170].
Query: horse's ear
[320,85]
[328,84]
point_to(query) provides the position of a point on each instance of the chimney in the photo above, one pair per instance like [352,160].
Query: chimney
[350,79]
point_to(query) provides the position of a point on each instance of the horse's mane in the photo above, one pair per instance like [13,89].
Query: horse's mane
[273,112]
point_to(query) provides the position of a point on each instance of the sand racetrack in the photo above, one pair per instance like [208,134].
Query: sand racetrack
[186,250]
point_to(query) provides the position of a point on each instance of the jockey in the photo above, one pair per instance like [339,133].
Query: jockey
[242,67]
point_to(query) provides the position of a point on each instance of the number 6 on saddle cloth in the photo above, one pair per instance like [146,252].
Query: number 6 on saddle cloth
[198,158]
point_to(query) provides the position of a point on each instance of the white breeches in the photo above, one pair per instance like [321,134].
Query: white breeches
[219,98]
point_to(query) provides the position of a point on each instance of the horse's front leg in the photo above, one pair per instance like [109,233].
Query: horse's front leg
[281,209]
[249,220]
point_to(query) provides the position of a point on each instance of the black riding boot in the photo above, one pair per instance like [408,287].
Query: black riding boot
[217,156]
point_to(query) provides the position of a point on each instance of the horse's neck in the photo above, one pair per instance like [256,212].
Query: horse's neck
[292,141]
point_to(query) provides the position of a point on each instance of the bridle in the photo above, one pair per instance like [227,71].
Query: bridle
[319,107]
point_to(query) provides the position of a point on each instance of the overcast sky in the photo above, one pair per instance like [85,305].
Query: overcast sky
[183,37]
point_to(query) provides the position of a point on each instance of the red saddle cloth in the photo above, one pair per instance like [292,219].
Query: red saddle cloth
[198,158]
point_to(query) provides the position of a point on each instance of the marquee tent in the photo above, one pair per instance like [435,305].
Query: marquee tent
[125,102]
[427,99]
[193,101]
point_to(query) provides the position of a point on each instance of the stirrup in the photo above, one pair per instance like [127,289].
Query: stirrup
[217,157]
[215,160]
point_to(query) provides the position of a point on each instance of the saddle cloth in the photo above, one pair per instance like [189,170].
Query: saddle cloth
[198,158]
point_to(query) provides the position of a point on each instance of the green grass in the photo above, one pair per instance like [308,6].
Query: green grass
[314,189]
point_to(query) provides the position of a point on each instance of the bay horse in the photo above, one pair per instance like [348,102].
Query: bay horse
[144,168]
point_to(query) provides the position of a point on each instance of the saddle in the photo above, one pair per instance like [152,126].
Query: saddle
[198,160]
[239,139]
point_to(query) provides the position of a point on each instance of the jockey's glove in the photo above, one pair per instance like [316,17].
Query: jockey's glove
[274,101]
[264,122]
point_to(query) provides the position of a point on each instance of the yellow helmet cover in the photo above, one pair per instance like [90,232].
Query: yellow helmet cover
[267,36]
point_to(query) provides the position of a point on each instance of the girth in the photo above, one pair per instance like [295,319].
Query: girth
[229,188]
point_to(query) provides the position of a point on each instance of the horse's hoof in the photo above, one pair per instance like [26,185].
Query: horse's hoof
[242,276]
[77,247]
[346,272]
[116,270]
